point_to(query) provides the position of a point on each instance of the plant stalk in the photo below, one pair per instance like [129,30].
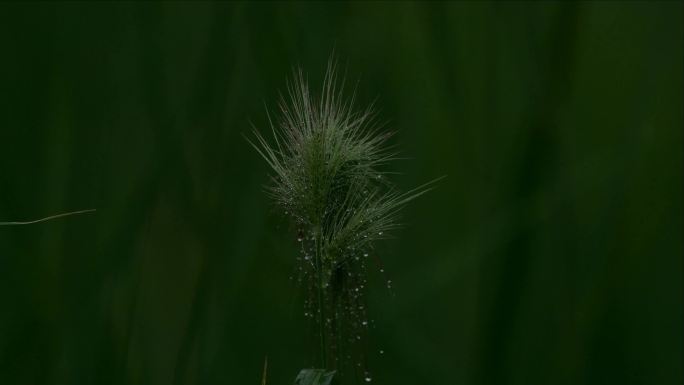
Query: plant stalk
[321,308]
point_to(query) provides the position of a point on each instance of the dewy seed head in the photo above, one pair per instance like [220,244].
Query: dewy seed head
[327,161]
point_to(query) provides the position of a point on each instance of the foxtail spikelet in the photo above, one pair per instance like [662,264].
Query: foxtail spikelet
[327,161]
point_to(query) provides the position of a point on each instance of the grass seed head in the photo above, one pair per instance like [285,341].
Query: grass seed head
[327,159]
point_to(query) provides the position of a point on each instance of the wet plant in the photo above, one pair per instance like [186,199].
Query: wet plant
[328,165]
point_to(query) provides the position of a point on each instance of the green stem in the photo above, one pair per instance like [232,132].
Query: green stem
[321,308]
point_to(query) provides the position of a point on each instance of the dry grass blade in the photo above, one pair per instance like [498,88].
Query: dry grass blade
[15,223]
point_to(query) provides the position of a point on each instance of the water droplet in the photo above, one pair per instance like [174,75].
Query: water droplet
[382,270]
[365,254]
[379,232]
[382,352]
[364,323]
[368,378]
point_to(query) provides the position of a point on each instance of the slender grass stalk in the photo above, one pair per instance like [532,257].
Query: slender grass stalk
[263,377]
[328,165]
[321,308]
[47,218]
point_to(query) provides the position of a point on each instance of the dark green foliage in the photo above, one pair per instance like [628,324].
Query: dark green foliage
[552,254]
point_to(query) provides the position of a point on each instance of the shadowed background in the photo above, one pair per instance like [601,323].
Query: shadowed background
[551,254]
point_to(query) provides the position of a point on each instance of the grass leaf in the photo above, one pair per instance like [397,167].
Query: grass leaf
[314,377]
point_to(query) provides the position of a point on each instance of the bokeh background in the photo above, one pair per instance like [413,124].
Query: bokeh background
[551,253]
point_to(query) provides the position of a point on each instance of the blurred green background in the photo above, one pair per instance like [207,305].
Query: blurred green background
[551,254]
